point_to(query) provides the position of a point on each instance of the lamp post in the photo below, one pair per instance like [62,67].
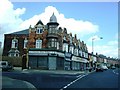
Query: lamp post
[93,62]
[93,43]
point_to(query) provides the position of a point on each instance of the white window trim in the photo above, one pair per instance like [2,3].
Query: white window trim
[13,43]
[57,45]
[80,52]
[72,50]
[25,43]
[38,31]
[76,52]
[66,47]
[38,43]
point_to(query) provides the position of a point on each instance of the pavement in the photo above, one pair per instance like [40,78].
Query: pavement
[14,83]
[19,69]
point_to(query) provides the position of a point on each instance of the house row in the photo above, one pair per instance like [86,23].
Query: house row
[48,47]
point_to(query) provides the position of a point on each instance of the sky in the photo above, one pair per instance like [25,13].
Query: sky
[86,19]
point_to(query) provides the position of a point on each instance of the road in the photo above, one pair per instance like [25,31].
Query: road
[106,79]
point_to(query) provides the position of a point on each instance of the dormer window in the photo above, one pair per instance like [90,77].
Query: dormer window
[39,31]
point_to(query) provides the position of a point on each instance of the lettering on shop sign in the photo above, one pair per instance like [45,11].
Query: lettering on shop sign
[45,52]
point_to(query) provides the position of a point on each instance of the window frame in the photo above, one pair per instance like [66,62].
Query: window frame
[39,30]
[38,43]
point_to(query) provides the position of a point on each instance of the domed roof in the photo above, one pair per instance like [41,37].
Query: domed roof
[53,18]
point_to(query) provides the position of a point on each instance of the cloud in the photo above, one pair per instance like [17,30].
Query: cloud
[72,25]
[10,21]
[110,49]
[9,18]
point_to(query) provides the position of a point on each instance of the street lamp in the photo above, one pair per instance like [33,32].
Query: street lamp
[93,43]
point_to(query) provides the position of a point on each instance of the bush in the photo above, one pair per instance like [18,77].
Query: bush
[15,61]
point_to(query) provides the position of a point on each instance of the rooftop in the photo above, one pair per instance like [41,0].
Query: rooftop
[26,31]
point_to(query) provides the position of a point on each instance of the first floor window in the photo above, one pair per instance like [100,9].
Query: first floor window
[25,43]
[52,43]
[65,47]
[76,51]
[57,45]
[14,43]
[80,52]
[38,43]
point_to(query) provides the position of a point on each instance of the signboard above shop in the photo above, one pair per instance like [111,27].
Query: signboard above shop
[40,53]
[78,59]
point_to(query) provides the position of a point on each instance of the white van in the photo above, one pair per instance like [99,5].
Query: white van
[5,66]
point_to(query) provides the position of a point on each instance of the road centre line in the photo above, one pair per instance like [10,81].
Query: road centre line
[78,76]
[73,81]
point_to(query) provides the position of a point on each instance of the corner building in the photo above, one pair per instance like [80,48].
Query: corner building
[49,47]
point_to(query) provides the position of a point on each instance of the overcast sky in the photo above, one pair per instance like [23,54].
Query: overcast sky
[86,19]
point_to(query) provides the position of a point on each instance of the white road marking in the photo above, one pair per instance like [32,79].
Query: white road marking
[79,77]
[115,72]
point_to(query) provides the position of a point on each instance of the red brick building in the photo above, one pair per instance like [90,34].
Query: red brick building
[47,47]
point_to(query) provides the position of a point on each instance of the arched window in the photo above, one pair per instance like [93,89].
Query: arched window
[38,43]
[14,43]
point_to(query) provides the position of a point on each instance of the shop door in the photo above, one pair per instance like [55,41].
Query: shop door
[52,63]
[32,62]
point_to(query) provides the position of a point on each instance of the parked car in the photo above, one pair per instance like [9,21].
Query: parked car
[6,66]
[99,69]
[104,67]
[113,67]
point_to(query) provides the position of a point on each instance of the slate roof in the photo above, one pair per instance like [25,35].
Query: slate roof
[26,31]
[39,22]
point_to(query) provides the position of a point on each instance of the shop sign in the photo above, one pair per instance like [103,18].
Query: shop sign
[46,53]
[74,58]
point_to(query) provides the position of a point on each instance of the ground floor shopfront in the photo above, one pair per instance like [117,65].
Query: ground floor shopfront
[55,60]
